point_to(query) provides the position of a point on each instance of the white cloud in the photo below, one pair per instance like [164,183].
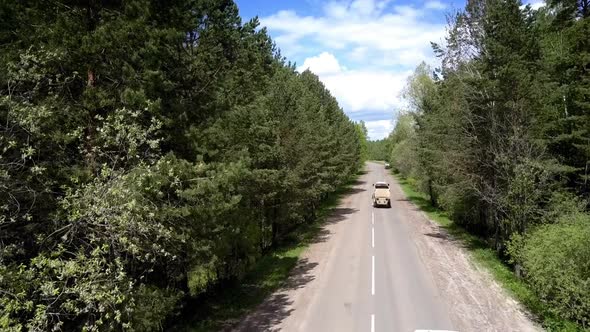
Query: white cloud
[325,63]
[435,4]
[361,24]
[362,93]
[535,4]
[363,51]
[357,90]
[360,8]
[368,7]
[379,129]
[358,53]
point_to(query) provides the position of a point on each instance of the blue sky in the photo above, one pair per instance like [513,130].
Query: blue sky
[363,50]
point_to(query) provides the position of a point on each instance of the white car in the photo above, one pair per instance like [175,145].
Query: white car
[381,194]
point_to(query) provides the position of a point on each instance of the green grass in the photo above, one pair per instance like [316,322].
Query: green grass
[484,256]
[224,307]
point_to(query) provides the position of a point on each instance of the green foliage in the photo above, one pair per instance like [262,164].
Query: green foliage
[377,150]
[498,136]
[402,157]
[366,145]
[403,146]
[555,259]
[564,28]
[488,258]
[150,151]
[224,305]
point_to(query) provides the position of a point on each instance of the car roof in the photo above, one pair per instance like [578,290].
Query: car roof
[382,183]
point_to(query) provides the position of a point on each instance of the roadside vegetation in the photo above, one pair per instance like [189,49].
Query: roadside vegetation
[487,257]
[228,303]
[378,150]
[151,151]
[498,141]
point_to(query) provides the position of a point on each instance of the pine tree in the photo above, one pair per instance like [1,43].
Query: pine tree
[566,54]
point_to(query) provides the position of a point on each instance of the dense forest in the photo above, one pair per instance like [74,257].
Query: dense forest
[499,137]
[378,149]
[148,151]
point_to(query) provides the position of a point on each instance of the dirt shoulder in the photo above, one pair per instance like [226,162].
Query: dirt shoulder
[475,300]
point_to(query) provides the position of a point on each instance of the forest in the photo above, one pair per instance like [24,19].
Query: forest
[150,150]
[499,138]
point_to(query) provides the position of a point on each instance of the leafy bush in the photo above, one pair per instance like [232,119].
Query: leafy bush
[403,157]
[563,203]
[556,261]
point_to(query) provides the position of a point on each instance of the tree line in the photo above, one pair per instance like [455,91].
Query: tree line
[378,149]
[150,150]
[499,137]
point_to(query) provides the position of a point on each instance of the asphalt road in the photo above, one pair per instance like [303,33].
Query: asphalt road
[377,281]
[386,269]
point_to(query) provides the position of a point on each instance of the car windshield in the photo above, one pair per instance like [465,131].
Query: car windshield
[381,185]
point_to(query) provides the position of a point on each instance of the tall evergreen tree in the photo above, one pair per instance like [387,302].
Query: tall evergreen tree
[148,151]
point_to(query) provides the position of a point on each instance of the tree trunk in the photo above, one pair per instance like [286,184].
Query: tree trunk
[431,193]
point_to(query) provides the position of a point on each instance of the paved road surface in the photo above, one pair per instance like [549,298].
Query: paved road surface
[379,269]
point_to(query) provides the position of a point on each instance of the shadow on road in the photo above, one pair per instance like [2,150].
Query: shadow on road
[358,182]
[353,191]
[223,308]
[340,214]
[277,307]
[439,235]
[337,215]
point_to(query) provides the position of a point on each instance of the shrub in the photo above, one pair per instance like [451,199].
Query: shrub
[556,261]
[403,158]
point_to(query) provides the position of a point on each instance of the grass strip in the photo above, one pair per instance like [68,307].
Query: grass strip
[225,306]
[486,257]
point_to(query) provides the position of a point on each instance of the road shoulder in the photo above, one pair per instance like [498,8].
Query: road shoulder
[476,301]
[287,308]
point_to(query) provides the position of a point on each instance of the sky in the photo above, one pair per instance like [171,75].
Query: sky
[362,50]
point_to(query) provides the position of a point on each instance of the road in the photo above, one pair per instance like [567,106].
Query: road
[379,269]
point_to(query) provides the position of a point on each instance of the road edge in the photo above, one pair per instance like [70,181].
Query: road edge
[486,261]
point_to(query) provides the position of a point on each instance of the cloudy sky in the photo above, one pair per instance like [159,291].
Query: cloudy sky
[363,50]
